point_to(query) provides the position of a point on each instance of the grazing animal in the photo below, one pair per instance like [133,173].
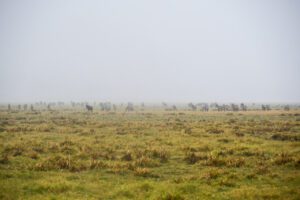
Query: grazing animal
[265,107]
[174,107]
[89,108]
[129,107]
[234,107]
[205,107]
[243,107]
[192,106]
[106,106]
[221,107]
[286,107]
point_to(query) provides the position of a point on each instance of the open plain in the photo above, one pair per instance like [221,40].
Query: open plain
[151,154]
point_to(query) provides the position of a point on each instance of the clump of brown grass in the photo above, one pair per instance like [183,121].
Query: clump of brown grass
[127,156]
[60,162]
[4,159]
[15,150]
[170,196]
[235,162]
[139,171]
[33,155]
[187,130]
[145,161]
[283,158]
[212,174]
[121,131]
[161,154]
[97,164]
[215,130]
[214,160]
[262,169]
[192,156]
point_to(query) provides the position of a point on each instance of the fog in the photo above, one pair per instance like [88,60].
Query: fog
[151,51]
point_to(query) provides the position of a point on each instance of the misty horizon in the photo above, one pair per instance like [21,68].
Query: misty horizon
[171,51]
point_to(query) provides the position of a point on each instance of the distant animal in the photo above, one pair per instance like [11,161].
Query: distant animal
[129,107]
[265,107]
[205,107]
[106,106]
[89,108]
[243,107]
[174,107]
[192,106]
[234,107]
[286,107]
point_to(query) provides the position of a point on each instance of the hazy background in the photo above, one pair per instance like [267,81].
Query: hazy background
[60,50]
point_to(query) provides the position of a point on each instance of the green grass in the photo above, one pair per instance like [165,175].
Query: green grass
[69,154]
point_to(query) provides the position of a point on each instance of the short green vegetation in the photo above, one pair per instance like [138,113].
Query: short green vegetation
[164,155]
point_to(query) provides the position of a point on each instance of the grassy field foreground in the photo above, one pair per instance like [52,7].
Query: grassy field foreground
[69,154]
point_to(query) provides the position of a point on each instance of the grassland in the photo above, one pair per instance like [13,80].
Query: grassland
[69,154]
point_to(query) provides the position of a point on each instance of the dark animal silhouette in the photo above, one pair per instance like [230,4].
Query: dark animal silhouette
[265,107]
[192,106]
[89,108]
[286,107]
[129,107]
[234,107]
[243,107]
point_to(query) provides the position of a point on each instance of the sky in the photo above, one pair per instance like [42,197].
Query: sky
[150,51]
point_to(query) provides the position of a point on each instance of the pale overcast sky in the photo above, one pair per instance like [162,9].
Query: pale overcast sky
[156,50]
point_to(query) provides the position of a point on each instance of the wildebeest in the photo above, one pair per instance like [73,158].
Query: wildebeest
[89,108]
[286,107]
[243,107]
[265,107]
[192,106]
[106,106]
[129,107]
[205,107]
[234,107]
[172,108]
[221,107]
[114,107]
